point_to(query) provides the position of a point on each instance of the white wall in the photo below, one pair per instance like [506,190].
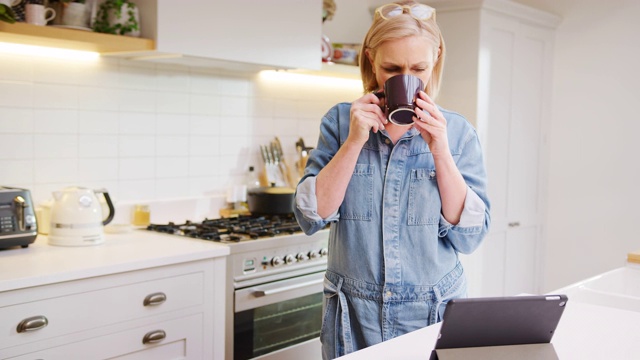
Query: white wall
[147,131]
[594,170]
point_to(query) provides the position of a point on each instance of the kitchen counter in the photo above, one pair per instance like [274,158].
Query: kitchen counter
[41,263]
[585,332]
[103,301]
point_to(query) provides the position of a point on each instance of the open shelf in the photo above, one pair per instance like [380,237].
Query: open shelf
[27,34]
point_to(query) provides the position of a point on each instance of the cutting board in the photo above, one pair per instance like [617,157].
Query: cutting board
[634,257]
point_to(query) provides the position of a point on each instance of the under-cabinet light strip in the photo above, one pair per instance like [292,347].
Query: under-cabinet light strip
[301,78]
[50,52]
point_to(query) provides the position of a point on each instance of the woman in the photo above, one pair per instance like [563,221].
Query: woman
[402,201]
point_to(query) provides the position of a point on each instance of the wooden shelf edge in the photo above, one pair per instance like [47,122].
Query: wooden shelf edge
[27,34]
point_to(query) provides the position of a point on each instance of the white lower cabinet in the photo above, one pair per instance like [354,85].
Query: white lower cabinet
[164,312]
[174,339]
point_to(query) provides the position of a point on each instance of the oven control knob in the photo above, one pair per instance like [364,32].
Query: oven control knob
[276,261]
[324,252]
[302,257]
[289,259]
[314,255]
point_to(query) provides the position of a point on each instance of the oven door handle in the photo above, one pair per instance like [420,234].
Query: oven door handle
[281,289]
[278,291]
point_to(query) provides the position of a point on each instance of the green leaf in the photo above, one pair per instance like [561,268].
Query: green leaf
[6,14]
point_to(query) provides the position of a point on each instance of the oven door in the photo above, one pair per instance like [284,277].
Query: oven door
[280,318]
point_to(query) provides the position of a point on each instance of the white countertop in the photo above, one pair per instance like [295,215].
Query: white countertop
[585,332]
[41,263]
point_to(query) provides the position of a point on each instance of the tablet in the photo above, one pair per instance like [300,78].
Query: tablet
[495,321]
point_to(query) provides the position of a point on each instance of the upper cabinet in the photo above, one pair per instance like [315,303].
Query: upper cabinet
[270,34]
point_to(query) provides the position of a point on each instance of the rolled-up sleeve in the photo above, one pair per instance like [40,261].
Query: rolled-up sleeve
[307,207]
[475,218]
[306,202]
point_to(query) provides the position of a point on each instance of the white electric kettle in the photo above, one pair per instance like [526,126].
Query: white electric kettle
[76,217]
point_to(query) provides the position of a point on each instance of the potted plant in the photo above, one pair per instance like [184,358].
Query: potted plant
[7,14]
[118,17]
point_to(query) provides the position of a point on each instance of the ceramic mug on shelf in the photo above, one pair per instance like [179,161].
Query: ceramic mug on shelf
[75,14]
[38,14]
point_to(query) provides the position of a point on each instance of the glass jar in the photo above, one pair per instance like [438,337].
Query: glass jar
[141,216]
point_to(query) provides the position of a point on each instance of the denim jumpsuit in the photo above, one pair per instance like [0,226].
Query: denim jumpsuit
[393,258]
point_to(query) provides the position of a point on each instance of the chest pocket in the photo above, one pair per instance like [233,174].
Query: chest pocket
[358,200]
[424,198]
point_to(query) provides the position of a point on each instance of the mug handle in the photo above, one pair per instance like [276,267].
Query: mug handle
[53,14]
[15,2]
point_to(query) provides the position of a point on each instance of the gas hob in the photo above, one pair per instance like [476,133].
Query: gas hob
[276,237]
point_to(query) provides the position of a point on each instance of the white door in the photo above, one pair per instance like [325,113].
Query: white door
[514,55]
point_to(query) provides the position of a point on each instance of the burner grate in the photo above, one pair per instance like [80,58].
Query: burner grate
[233,229]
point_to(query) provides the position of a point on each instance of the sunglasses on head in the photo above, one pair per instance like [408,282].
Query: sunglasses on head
[417,11]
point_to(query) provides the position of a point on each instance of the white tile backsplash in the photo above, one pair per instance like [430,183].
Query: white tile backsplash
[172,167]
[55,96]
[51,171]
[97,122]
[172,79]
[168,145]
[95,98]
[146,131]
[16,120]
[16,146]
[54,146]
[137,123]
[16,94]
[97,146]
[137,168]
[137,100]
[204,125]
[16,68]
[173,103]
[203,104]
[137,146]
[172,124]
[204,146]
[97,170]
[55,121]
[16,172]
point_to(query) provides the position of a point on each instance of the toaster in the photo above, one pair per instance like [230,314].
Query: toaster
[18,225]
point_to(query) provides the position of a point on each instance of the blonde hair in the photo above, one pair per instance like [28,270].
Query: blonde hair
[398,27]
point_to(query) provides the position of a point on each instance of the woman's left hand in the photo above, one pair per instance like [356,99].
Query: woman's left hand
[431,124]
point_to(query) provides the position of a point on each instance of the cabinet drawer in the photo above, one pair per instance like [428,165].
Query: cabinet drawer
[183,340]
[81,311]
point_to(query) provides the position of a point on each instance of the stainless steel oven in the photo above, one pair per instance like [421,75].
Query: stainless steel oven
[273,307]
[276,297]
[279,319]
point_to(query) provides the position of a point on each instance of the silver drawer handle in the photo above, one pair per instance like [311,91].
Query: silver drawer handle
[154,336]
[32,324]
[154,299]
[514,224]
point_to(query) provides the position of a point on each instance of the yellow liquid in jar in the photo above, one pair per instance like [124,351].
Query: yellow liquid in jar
[141,216]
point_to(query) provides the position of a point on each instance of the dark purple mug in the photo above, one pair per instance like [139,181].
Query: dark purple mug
[400,93]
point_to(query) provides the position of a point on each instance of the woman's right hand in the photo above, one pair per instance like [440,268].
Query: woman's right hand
[366,115]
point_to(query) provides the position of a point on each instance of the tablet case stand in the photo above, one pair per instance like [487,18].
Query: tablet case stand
[543,351]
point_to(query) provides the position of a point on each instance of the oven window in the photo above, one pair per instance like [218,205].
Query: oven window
[272,327]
